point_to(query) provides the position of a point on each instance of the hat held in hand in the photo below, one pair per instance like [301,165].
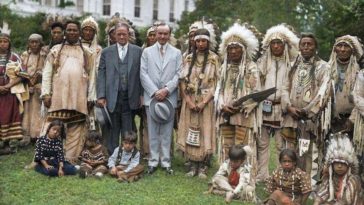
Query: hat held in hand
[161,111]
[102,116]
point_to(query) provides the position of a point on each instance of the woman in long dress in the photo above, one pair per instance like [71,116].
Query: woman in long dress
[33,60]
[196,133]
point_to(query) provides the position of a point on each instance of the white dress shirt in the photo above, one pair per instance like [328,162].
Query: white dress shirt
[164,49]
[122,50]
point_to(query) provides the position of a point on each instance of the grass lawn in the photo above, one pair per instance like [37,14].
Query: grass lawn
[20,186]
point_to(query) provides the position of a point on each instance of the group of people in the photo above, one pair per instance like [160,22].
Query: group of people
[223,100]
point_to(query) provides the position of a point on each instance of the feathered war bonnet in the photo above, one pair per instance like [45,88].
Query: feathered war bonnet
[90,22]
[115,19]
[5,31]
[341,150]
[353,66]
[151,29]
[284,33]
[211,27]
[52,21]
[353,42]
[246,39]
[242,36]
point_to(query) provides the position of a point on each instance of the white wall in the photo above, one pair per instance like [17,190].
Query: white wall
[95,7]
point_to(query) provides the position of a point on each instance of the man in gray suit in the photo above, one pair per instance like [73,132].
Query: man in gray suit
[118,84]
[159,74]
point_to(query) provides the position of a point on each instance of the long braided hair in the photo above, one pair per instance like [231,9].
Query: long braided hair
[56,62]
[8,54]
[194,57]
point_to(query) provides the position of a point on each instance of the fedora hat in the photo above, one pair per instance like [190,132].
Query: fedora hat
[161,111]
[102,116]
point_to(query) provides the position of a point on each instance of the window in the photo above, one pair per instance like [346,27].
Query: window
[186,5]
[106,8]
[48,2]
[80,5]
[155,9]
[171,11]
[137,8]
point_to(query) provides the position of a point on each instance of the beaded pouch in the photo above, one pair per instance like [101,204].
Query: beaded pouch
[267,106]
[193,136]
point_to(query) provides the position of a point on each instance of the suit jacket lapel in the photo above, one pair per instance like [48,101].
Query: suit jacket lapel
[167,55]
[130,58]
[156,55]
[116,57]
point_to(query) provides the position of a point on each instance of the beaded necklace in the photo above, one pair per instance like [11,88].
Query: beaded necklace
[343,62]
[285,182]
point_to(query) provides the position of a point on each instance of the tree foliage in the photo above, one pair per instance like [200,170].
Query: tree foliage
[326,18]
[22,27]
[339,17]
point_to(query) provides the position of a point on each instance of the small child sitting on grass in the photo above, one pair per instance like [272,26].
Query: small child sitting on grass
[93,157]
[288,185]
[49,154]
[233,179]
[124,162]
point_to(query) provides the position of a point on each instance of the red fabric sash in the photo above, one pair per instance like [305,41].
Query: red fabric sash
[234,178]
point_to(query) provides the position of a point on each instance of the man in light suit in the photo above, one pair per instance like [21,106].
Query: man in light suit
[118,84]
[159,74]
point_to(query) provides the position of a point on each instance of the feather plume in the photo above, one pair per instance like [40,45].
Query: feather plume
[242,35]
[5,29]
[284,33]
[341,149]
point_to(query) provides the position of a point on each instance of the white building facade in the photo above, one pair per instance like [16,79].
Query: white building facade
[141,12]
[29,7]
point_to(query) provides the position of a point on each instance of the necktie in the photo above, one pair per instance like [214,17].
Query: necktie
[122,53]
[162,51]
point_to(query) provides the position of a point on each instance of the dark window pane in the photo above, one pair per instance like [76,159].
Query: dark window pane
[106,10]
[171,17]
[136,12]
[155,14]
